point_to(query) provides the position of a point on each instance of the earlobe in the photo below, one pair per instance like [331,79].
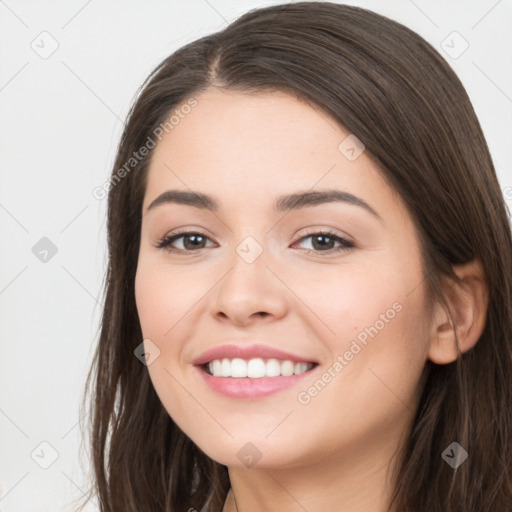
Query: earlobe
[465,314]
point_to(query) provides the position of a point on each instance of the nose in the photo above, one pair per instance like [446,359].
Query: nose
[249,292]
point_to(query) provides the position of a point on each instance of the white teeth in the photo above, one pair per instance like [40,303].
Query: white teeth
[287,368]
[217,367]
[256,368]
[300,368]
[225,370]
[273,368]
[238,368]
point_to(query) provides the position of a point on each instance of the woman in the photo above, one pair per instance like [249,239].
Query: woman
[309,294]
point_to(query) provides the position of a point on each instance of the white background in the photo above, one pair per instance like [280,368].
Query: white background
[60,121]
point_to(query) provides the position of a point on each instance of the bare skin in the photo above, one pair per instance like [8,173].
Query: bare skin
[333,449]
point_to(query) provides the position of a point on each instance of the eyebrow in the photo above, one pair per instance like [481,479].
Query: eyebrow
[295,201]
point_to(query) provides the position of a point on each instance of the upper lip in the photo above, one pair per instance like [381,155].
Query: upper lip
[231,351]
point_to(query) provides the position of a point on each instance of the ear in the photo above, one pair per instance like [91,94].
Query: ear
[467,302]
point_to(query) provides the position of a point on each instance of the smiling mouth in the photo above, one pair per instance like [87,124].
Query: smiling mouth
[255,368]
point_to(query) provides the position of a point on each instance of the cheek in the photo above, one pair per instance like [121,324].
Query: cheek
[373,324]
[162,298]
[378,344]
[371,382]
[151,306]
[347,300]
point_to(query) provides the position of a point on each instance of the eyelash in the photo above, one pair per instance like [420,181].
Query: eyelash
[165,243]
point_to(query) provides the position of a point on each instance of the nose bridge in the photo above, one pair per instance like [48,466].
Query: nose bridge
[250,250]
[249,286]
[251,239]
[248,263]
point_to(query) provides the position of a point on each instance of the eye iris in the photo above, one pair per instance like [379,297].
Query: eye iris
[193,237]
[322,245]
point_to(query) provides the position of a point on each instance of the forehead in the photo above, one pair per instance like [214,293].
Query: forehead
[236,146]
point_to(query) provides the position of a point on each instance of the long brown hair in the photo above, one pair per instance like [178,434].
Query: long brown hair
[389,87]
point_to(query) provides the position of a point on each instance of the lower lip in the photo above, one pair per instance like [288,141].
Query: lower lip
[250,388]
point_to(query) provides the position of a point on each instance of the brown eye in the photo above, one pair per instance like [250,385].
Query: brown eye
[190,242]
[324,242]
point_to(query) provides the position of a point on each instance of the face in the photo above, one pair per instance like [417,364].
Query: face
[333,284]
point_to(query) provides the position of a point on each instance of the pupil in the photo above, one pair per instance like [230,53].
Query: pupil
[191,237]
[323,237]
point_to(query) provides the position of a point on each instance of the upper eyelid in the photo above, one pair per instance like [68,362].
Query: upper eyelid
[327,231]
